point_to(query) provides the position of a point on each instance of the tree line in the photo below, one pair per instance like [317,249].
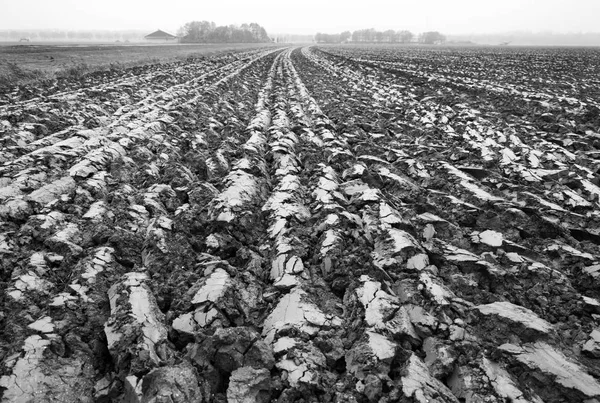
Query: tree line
[373,36]
[209,32]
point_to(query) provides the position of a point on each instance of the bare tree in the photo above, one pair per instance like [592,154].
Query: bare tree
[389,36]
[432,38]
[204,31]
[345,36]
[405,36]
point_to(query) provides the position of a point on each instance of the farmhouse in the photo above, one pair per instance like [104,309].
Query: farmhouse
[160,36]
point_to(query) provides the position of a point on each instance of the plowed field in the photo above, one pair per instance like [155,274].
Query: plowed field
[312,224]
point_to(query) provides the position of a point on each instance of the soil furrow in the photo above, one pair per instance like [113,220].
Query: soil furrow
[429,231]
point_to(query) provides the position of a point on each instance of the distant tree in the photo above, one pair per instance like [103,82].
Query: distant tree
[373,36]
[432,38]
[105,35]
[367,35]
[405,36]
[204,31]
[86,35]
[345,36]
[239,34]
[259,33]
[327,38]
[389,36]
[220,34]
[45,35]
[197,31]
[370,35]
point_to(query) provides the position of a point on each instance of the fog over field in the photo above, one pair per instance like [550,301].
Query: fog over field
[460,17]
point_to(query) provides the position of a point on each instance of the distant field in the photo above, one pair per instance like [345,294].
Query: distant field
[21,62]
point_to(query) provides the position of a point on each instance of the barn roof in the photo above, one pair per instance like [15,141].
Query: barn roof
[159,34]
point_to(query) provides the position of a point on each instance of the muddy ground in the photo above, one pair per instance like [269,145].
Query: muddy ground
[336,224]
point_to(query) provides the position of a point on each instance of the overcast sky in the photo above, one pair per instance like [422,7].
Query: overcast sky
[308,16]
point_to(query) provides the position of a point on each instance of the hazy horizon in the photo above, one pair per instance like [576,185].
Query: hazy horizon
[309,16]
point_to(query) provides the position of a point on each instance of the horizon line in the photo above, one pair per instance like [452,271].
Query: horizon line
[545,32]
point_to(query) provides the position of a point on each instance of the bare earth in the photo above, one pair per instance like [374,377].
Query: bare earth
[340,224]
